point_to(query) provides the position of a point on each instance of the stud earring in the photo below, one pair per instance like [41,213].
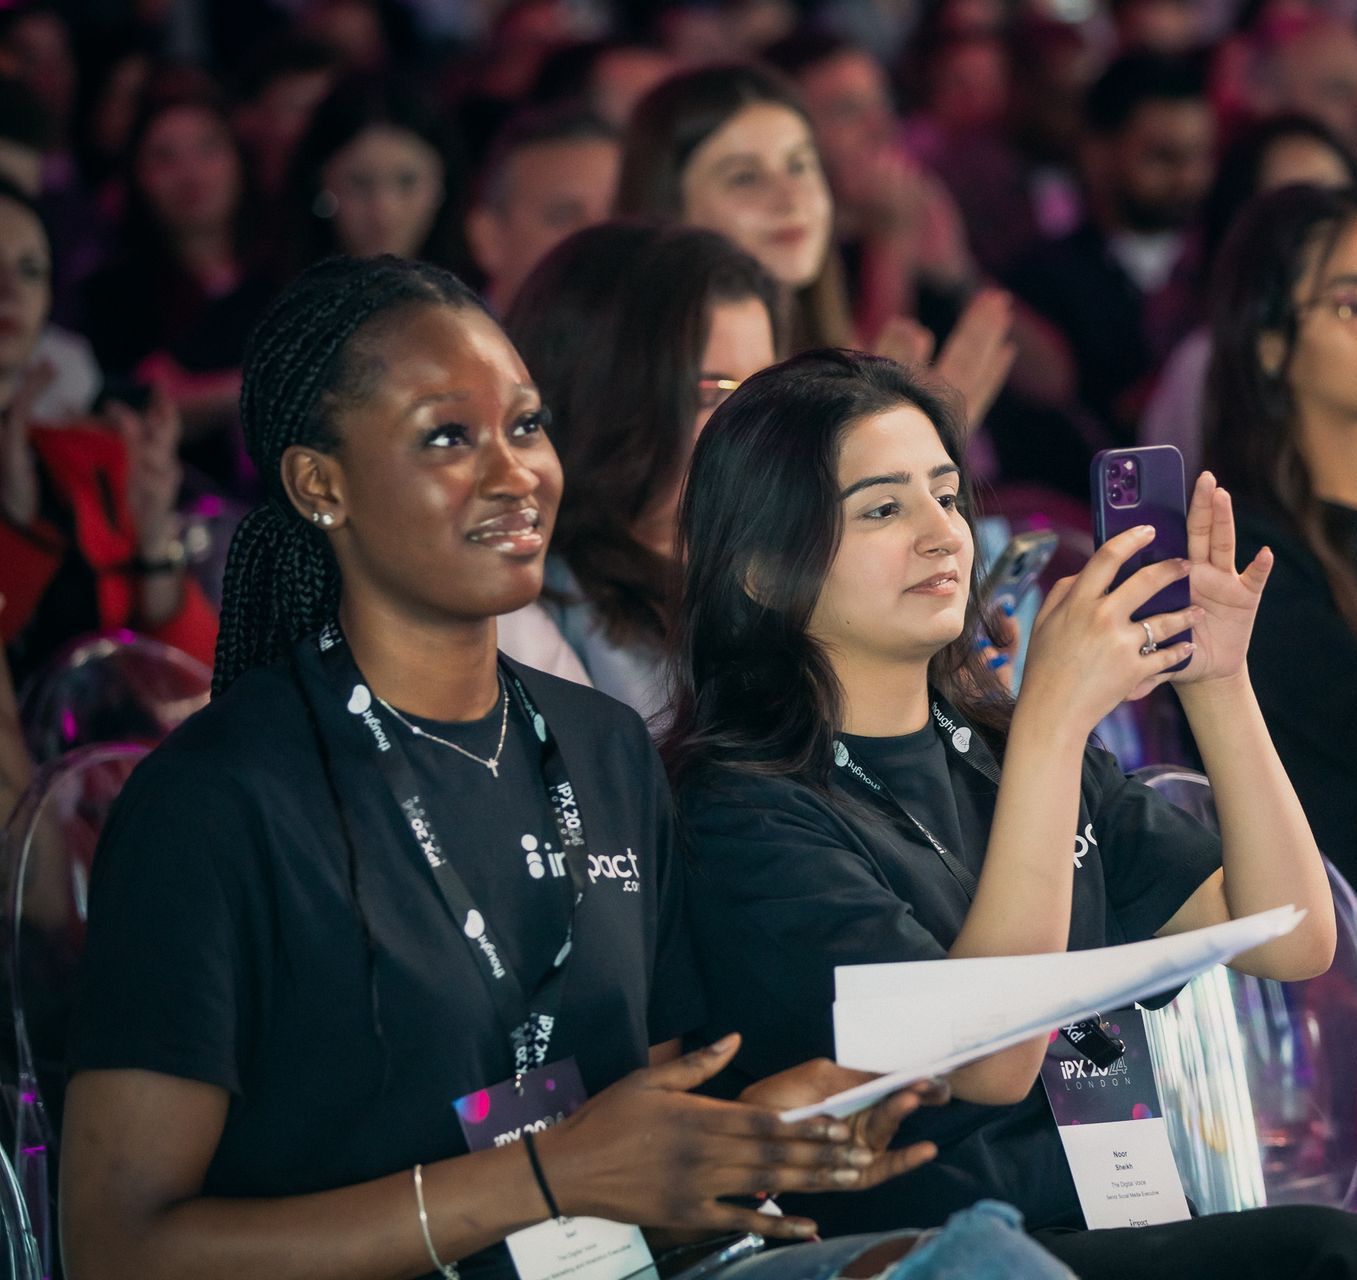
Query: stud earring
[322,518]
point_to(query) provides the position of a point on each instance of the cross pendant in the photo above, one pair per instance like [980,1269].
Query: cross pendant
[493,766]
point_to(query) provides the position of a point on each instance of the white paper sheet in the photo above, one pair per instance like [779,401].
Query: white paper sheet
[928,1017]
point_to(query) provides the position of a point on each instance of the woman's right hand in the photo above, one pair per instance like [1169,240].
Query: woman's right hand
[1085,653]
[648,1151]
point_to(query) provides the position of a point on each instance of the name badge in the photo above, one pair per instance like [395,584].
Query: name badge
[577,1248]
[1113,1130]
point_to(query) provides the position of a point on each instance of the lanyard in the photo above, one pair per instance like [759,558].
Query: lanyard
[963,742]
[1089,1036]
[528,1018]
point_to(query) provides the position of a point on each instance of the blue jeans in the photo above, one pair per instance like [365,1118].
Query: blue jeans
[984,1242]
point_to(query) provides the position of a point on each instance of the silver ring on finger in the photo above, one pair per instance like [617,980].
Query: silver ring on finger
[1149,646]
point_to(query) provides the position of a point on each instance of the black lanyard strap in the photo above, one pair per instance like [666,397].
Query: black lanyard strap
[963,742]
[1090,1037]
[330,680]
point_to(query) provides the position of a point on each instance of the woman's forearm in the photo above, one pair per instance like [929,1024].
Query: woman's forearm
[1268,853]
[1022,905]
[366,1232]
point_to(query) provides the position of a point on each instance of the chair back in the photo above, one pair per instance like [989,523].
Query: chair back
[19,1257]
[118,687]
[1255,1075]
[46,853]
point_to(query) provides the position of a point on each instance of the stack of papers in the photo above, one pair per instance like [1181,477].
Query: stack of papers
[928,1017]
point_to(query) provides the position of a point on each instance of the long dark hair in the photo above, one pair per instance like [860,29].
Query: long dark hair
[664,130]
[627,404]
[352,107]
[760,524]
[1251,435]
[180,89]
[1241,169]
[303,365]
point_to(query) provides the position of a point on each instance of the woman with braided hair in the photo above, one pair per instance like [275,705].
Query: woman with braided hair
[392,903]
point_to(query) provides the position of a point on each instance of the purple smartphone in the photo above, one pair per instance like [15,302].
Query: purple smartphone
[1145,486]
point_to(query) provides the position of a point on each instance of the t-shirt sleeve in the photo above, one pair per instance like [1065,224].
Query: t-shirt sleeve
[163,978]
[676,1001]
[1154,855]
[781,892]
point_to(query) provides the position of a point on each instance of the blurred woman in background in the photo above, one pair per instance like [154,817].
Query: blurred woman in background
[690,318]
[1281,431]
[177,305]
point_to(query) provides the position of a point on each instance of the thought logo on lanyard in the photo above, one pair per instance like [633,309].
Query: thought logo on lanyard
[1082,843]
[360,704]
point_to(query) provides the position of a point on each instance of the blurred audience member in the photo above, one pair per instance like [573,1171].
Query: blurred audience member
[1310,68]
[730,148]
[74,374]
[278,96]
[557,316]
[113,83]
[692,317]
[353,29]
[1281,434]
[548,175]
[1284,150]
[35,46]
[607,78]
[88,531]
[176,306]
[373,174]
[1169,27]
[900,232]
[1118,287]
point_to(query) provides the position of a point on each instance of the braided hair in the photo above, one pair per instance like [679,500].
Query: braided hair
[303,364]
[301,367]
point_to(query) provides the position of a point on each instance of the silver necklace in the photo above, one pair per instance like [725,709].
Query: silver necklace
[493,763]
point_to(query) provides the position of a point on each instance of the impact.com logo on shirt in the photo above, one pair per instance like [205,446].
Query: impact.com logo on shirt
[621,866]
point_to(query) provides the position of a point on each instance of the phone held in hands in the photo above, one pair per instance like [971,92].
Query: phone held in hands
[1017,568]
[1145,485]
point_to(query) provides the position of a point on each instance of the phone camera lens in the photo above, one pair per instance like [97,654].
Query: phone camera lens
[1114,492]
[1113,468]
[1128,466]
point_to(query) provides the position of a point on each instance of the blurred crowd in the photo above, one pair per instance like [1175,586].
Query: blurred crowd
[1040,198]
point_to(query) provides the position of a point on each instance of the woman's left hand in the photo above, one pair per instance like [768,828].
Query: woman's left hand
[1227,599]
[154,474]
[873,1128]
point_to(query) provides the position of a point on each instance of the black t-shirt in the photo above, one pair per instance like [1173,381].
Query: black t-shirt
[224,943]
[785,883]
[1302,660]
[504,855]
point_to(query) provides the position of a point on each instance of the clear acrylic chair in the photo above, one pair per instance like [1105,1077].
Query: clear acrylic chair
[46,853]
[19,1258]
[1255,1076]
[117,687]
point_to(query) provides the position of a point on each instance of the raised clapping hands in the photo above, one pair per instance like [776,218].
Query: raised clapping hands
[649,1151]
[977,356]
[18,466]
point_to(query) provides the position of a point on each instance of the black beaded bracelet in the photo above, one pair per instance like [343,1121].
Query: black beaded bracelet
[552,1207]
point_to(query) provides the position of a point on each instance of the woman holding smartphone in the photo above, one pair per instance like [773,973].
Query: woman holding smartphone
[853,788]
[390,901]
